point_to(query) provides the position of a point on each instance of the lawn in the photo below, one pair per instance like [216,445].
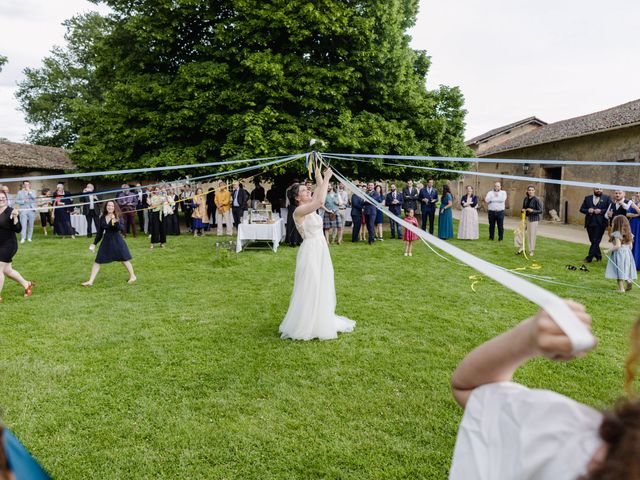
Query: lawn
[183,375]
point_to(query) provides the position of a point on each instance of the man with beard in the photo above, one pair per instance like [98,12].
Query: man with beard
[594,208]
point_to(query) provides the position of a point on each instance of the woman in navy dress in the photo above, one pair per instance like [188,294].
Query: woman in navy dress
[62,214]
[9,226]
[445,220]
[113,247]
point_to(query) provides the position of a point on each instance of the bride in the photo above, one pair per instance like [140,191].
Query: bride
[311,311]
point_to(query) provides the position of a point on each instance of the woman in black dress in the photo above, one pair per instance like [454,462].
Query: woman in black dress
[62,214]
[9,226]
[113,247]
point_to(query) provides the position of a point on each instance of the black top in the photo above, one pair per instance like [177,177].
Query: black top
[8,240]
[536,205]
[474,201]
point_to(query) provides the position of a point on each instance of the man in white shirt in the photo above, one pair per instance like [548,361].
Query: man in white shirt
[496,200]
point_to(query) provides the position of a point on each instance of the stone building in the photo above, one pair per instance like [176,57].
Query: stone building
[611,135]
[23,160]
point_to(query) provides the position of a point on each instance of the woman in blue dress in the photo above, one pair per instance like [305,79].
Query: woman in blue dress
[113,247]
[634,219]
[445,219]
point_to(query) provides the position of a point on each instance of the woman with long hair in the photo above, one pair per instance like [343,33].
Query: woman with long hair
[9,226]
[312,307]
[445,220]
[113,247]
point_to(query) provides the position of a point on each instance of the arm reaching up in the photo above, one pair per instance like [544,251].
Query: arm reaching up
[308,204]
[498,359]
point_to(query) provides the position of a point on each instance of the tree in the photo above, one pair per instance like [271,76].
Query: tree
[184,81]
[3,60]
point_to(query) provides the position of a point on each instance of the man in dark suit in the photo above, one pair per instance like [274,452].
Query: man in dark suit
[141,204]
[410,194]
[239,199]
[91,209]
[428,198]
[370,211]
[394,202]
[357,204]
[595,207]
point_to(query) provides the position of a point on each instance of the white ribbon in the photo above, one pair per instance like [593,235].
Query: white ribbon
[487,160]
[210,176]
[580,337]
[604,186]
[139,170]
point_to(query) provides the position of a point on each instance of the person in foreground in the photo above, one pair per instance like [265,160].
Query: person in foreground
[9,226]
[312,307]
[113,248]
[509,431]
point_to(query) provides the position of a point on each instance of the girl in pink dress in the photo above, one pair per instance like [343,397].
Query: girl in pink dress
[409,237]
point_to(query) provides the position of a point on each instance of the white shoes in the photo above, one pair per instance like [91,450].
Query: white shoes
[29,240]
[22,241]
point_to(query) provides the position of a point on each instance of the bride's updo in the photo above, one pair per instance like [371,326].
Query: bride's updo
[293,193]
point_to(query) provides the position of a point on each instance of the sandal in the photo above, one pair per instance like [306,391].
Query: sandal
[571,267]
[584,268]
[27,291]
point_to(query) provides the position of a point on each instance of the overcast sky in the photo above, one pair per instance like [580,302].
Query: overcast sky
[554,59]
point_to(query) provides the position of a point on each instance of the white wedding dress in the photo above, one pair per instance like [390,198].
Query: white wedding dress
[312,308]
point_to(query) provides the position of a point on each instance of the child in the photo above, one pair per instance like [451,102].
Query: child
[409,237]
[510,431]
[621,265]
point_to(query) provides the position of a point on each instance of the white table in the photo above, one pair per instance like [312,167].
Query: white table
[79,223]
[266,232]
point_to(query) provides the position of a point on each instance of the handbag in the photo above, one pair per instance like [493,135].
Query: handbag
[332,216]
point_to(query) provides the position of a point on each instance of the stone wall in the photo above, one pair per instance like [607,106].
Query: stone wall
[621,145]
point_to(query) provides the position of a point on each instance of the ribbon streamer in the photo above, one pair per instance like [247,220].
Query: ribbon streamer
[580,337]
[140,170]
[486,160]
[573,183]
[210,176]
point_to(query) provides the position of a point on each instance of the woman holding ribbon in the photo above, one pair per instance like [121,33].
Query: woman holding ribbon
[156,201]
[9,226]
[113,247]
[311,311]
[511,431]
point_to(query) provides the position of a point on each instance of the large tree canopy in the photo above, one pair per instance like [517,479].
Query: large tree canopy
[184,81]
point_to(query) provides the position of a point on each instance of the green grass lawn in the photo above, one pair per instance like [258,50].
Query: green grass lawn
[183,375]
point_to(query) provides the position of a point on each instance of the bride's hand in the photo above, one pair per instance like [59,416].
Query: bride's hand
[328,173]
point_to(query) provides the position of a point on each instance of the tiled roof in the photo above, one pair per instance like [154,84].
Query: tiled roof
[499,130]
[22,155]
[622,116]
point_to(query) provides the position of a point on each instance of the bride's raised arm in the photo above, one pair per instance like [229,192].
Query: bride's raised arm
[317,201]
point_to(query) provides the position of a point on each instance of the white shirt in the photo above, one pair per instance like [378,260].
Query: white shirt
[510,432]
[496,200]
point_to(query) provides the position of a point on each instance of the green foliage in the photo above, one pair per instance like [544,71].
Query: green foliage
[183,375]
[169,82]
[3,60]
